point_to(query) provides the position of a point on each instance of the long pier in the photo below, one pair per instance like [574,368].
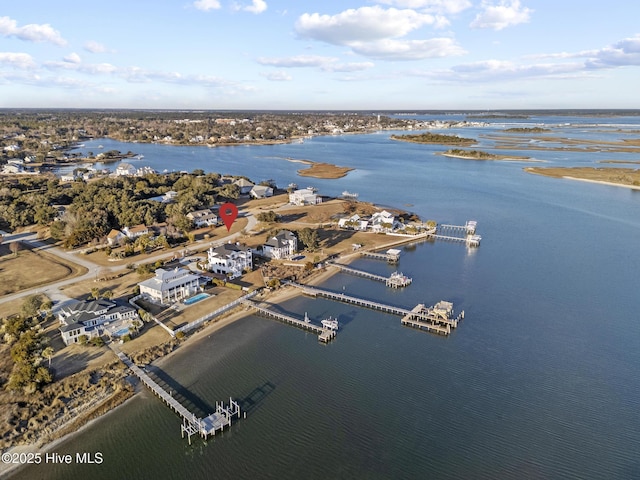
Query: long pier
[390,256]
[325,335]
[395,280]
[191,423]
[428,318]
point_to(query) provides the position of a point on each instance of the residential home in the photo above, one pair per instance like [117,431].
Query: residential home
[203,218]
[115,237]
[145,170]
[304,196]
[135,231]
[95,318]
[283,245]
[244,185]
[126,170]
[12,169]
[382,222]
[230,259]
[261,191]
[355,222]
[170,285]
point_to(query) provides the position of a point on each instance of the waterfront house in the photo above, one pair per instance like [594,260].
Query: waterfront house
[125,170]
[170,285]
[283,245]
[354,222]
[382,222]
[203,218]
[95,318]
[304,196]
[244,185]
[230,259]
[261,191]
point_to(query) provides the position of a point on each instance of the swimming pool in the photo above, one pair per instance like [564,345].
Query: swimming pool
[197,298]
[121,332]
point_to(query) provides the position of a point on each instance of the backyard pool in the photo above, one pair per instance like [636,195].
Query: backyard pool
[196,298]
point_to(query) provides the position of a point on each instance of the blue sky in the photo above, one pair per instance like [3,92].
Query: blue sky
[284,54]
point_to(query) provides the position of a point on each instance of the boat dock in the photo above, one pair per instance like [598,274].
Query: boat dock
[325,335]
[435,319]
[191,423]
[391,256]
[448,233]
[396,280]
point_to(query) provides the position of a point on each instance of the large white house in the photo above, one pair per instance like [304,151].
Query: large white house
[95,318]
[170,285]
[304,196]
[354,222]
[230,259]
[382,221]
[261,191]
[283,245]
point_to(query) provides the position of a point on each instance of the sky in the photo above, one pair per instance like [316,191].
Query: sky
[329,55]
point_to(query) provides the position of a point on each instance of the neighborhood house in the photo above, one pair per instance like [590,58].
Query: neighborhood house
[305,196]
[230,259]
[203,218]
[283,245]
[170,285]
[95,318]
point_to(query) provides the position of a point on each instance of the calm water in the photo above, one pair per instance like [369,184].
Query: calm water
[541,380]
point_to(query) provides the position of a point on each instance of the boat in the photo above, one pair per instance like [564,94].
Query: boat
[330,323]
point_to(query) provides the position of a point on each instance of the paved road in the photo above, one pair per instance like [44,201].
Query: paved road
[53,290]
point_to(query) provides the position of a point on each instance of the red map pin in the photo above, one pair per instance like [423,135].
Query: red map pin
[228,213]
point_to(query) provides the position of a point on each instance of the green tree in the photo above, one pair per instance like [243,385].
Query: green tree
[309,237]
[31,305]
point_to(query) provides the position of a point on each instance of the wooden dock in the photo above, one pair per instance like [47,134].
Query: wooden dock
[466,233]
[325,335]
[396,280]
[390,256]
[191,423]
[435,319]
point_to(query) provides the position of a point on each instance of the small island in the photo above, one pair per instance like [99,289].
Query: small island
[480,155]
[435,138]
[323,170]
[527,130]
[620,177]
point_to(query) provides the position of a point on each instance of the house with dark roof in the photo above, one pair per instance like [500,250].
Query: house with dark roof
[95,318]
[230,259]
[203,218]
[283,245]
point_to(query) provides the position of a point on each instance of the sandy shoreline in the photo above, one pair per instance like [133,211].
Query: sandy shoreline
[602,182]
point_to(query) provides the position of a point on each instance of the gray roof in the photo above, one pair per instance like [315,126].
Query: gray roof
[281,239]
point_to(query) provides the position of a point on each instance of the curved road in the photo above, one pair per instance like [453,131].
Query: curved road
[52,289]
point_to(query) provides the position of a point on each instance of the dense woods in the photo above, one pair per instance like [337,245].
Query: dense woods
[80,212]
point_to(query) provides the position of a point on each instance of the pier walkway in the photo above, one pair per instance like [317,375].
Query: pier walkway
[325,335]
[396,280]
[390,256]
[191,423]
[448,233]
[435,319]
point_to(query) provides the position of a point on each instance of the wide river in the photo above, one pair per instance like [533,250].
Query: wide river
[540,381]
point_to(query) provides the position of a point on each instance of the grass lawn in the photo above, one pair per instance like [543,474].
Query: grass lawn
[32,268]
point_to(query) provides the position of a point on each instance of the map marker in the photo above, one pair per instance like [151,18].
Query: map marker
[228,213]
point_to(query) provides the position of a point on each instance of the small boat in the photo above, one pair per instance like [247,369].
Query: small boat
[330,323]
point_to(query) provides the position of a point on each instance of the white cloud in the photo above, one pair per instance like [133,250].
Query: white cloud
[95,47]
[73,58]
[391,49]
[31,33]
[297,61]
[257,6]
[364,24]
[502,15]
[279,76]
[206,5]
[624,53]
[442,7]
[17,60]
[348,67]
